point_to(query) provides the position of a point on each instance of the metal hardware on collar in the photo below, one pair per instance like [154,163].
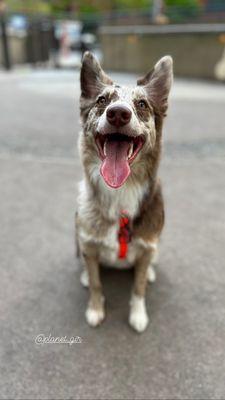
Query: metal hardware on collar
[124,234]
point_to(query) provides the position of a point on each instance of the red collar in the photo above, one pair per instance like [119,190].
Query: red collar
[124,234]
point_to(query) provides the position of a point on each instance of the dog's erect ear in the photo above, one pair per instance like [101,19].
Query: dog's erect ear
[157,84]
[92,76]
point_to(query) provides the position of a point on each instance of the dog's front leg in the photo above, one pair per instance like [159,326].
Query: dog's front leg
[95,312]
[138,317]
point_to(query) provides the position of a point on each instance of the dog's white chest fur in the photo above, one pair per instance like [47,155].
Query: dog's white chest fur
[112,203]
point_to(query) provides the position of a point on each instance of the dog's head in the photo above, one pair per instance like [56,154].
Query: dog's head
[120,123]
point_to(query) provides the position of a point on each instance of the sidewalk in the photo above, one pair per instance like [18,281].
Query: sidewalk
[181,355]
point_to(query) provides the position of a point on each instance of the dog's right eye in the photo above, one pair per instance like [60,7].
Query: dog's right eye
[101,100]
[142,104]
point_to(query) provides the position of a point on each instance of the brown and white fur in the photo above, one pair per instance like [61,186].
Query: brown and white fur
[99,205]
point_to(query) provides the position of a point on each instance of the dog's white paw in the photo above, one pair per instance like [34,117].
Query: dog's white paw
[151,274]
[84,278]
[94,317]
[138,317]
[138,321]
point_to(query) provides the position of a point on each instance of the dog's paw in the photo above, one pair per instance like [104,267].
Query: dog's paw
[151,274]
[84,278]
[138,317]
[138,321]
[94,317]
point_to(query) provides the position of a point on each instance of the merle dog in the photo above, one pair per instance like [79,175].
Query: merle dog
[120,209]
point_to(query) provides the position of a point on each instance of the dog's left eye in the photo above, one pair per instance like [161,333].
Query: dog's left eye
[142,104]
[101,100]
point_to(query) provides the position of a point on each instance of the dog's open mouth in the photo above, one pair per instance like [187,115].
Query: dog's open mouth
[117,151]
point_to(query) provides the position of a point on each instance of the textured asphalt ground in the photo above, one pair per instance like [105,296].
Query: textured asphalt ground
[182,353]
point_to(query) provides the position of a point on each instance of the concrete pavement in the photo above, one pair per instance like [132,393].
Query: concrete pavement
[182,353]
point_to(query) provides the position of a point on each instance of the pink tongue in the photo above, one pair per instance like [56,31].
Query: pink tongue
[115,168]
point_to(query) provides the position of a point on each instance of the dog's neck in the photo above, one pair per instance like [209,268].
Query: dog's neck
[128,198]
[111,202]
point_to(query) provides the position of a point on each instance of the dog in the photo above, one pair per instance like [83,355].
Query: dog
[120,212]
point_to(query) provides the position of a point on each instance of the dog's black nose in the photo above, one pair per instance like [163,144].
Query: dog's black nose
[118,115]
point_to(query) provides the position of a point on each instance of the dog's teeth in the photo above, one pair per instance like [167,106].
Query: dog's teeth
[104,149]
[130,151]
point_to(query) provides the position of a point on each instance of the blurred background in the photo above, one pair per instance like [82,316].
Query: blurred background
[54,34]
[181,354]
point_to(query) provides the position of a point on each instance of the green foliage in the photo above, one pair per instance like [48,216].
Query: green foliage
[182,3]
[59,5]
[181,10]
[40,6]
[175,9]
[131,4]
[84,6]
